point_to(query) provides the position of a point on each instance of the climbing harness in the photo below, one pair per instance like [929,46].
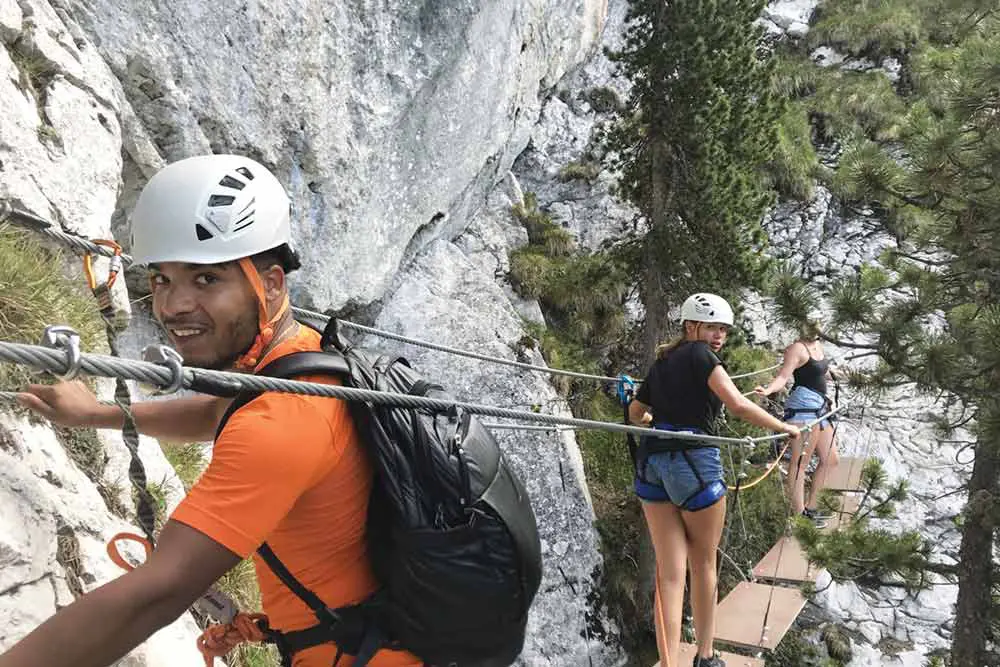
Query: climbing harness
[707,494]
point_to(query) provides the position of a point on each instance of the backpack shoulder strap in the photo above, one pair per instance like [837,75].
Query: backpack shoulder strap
[298,364]
[289,366]
[289,580]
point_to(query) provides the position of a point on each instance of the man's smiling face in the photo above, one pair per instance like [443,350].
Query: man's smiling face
[209,311]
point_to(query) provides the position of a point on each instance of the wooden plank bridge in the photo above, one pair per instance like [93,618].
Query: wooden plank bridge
[756,615]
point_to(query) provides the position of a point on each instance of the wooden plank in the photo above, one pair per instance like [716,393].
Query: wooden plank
[741,616]
[848,507]
[847,475]
[786,562]
[688,652]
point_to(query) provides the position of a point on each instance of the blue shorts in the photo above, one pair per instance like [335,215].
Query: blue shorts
[668,477]
[805,405]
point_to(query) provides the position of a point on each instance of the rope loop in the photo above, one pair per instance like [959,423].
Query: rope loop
[62,337]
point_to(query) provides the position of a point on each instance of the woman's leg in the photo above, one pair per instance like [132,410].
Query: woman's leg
[795,481]
[670,545]
[826,449]
[704,529]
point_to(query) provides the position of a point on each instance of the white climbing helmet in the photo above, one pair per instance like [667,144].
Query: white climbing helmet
[705,307]
[209,209]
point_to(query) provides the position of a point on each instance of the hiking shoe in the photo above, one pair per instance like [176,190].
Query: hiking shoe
[819,514]
[714,661]
[818,519]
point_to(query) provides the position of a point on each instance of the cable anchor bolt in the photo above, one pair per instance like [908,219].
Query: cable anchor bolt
[62,337]
[169,357]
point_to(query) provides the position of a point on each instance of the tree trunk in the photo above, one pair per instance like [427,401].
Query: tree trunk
[973,611]
[656,325]
[658,275]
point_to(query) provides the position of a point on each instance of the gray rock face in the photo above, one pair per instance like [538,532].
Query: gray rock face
[562,162]
[387,120]
[53,529]
[789,17]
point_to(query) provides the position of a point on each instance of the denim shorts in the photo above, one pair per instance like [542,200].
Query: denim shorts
[668,477]
[812,403]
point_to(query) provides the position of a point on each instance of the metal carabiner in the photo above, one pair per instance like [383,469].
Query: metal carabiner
[62,337]
[169,357]
[114,267]
[625,388]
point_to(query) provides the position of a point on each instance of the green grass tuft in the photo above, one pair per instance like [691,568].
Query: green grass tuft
[872,28]
[581,170]
[188,461]
[34,293]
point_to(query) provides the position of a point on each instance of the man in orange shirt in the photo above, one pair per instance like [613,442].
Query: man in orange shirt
[286,469]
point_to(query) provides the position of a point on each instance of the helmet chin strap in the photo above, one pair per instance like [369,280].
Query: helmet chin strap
[265,325]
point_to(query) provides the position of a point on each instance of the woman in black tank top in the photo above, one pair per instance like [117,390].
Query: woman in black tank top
[806,363]
[683,491]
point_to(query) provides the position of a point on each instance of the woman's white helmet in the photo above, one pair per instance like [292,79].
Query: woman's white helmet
[705,307]
[209,209]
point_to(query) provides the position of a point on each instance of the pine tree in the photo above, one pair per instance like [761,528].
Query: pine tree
[932,310]
[692,145]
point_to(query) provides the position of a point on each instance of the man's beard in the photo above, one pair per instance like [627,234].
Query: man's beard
[244,334]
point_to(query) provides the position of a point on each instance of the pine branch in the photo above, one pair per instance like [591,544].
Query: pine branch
[843,343]
[922,260]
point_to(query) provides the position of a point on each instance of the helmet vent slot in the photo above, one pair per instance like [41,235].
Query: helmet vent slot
[221,200]
[230,182]
[203,234]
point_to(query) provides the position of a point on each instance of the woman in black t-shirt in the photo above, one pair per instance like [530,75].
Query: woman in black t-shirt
[680,481]
[806,362]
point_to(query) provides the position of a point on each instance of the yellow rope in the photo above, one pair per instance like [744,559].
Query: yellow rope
[770,469]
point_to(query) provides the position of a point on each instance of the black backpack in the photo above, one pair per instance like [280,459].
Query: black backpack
[451,533]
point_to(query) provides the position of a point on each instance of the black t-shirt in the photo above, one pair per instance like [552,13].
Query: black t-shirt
[677,388]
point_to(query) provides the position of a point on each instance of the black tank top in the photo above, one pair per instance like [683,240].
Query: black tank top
[812,374]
